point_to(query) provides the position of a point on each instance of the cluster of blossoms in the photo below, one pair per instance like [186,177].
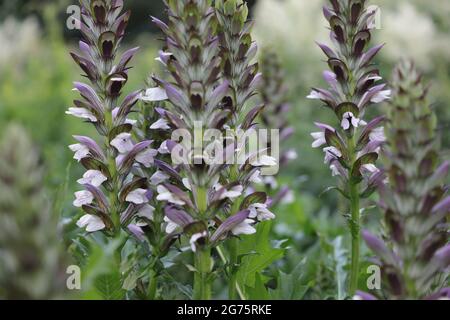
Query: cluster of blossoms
[416,210]
[208,58]
[274,94]
[352,149]
[112,195]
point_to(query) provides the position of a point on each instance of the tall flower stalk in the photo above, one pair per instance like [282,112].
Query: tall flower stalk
[112,196]
[241,71]
[417,253]
[352,149]
[205,188]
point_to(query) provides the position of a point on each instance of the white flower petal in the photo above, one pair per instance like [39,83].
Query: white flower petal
[381,96]
[161,124]
[256,177]
[91,222]
[82,198]
[158,177]
[82,113]
[232,193]
[195,238]
[187,184]
[163,149]
[165,195]
[154,94]
[146,211]
[137,196]
[245,227]
[146,157]
[93,177]
[123,142]
[264,161]
[260,212]
[319,139]
[171,226]
[81,151]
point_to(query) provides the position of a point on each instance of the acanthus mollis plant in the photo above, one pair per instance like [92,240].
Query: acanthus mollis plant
[351,150]
[274,95]
[32,259]
[201,193]
[112,197]
[155,243]
[241,70]
[415,257]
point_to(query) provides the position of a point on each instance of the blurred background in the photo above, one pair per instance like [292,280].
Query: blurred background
[36,75]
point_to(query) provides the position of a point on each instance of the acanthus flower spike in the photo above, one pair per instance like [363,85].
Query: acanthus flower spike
[416,253]
[109,164]
[351,150]
[203,93]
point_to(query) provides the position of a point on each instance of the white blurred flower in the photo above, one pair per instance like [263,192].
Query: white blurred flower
[20,40]
[410,32]
[277,25]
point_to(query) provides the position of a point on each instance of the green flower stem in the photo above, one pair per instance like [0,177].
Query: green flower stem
[203,267]
[232,286]
[202,283]
[354,221]
[224,260]
[153,283]
[355,231]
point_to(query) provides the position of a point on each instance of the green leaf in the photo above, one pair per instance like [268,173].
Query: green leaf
[340,262]
[259,292]
[110,286]
[289,288]
[265,255]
